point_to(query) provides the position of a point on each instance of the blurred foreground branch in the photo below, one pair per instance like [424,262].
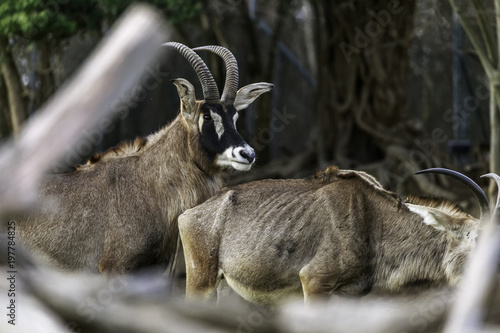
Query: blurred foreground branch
[84,303]
[57,302]
[108,74]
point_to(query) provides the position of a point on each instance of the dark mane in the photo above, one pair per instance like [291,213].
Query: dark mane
[126,148]
[330,174]
[333,173]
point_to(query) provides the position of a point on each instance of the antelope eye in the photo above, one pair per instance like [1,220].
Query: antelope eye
[207,117]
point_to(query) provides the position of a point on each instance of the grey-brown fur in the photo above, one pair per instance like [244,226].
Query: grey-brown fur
[113,215]
[119,211]
[338,233]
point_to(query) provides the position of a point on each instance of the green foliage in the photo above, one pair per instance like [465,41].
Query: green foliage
[34,19]
[181,11]
[178,11]
[113,8]
[37,19]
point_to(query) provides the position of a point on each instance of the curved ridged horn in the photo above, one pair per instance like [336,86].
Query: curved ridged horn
[476,189]
[210,90]
[232,76]
[496,178]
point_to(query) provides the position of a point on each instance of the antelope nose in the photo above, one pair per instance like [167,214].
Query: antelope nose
[248,154]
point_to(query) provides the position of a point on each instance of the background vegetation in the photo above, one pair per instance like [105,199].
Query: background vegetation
[385,86]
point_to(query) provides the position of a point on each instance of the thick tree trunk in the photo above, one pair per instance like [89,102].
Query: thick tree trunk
[362,77]
[45,73]
[5,122]
[12,79]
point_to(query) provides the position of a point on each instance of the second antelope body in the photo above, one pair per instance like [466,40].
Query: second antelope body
[339,233]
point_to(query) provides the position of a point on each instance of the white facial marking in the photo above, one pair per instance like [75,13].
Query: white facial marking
[427,217]
[235,118]
[219,127]
[200,123]
[232,157]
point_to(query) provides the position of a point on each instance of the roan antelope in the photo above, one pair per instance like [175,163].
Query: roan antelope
[118,212]
[338,233]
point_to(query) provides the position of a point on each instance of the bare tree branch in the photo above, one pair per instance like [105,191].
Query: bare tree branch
[8,70]
[488,38]
[469,30]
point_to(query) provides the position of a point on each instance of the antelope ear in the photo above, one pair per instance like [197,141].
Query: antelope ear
[186,93]
[246,95]
[439,220]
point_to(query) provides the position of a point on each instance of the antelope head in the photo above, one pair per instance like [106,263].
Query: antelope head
[212,121]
